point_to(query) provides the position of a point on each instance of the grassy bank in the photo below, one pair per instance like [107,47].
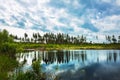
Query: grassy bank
[7,64]
[33,46]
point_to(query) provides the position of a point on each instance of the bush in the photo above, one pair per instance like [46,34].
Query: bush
[36,67]
[8,48]
[6,64]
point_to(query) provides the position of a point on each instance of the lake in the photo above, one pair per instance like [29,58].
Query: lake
[75,64]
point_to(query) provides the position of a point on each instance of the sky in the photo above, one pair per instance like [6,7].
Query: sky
[75,17]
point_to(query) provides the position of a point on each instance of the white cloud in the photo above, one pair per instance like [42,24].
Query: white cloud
[107,23]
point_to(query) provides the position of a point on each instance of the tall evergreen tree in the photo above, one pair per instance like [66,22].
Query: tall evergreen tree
[118,39]
[114,39]
[25,35]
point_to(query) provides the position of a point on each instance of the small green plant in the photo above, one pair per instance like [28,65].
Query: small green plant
[25,76]
[34,74]
[36,67]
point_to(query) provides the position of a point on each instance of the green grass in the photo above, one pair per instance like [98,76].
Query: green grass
[6,64]
[37,46]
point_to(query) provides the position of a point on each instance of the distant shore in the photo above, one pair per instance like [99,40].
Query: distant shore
[35,46]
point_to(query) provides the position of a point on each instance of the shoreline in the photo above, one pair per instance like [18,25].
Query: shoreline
[49,49]
[46,47]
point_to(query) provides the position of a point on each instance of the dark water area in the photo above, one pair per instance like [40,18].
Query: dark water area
[75,64]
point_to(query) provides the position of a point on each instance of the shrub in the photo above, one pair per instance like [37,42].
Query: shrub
[6,64]
[36,67]
[8,48]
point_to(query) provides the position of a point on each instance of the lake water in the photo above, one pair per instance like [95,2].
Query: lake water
[75,64]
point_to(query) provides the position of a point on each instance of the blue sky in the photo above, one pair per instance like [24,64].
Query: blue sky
[76,17]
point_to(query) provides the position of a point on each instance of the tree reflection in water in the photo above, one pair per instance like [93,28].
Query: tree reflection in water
[63,56]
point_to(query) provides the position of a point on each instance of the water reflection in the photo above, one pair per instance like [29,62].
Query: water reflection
[76,64]
[63,57]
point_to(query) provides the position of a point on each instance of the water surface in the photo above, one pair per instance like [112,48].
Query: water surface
[76,64]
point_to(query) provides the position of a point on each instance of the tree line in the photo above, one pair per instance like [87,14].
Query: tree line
[51,38]
[112,39]
[61,38]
